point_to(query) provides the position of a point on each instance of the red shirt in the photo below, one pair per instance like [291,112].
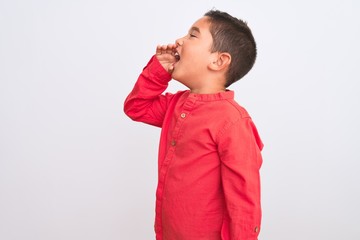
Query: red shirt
[209,160]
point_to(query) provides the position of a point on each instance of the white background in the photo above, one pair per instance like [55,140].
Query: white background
[73,166]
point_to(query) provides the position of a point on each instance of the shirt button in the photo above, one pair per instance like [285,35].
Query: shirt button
[256,229]
[173,143]
[183,115]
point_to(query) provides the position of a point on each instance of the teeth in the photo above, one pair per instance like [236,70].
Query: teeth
[177,56]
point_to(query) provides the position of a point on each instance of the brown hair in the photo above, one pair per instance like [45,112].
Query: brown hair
[233,36]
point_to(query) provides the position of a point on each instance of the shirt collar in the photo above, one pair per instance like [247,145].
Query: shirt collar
[228,94]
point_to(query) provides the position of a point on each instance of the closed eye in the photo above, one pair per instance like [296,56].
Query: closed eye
[193,32]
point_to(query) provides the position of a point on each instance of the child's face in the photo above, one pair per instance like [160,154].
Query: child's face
[194,51]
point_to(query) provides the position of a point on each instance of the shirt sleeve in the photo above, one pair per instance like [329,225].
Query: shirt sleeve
[240,153]
[146,103]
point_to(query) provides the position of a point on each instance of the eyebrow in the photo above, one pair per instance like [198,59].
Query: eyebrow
[195,29]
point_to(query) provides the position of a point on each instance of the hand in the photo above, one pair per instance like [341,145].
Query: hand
[166,56]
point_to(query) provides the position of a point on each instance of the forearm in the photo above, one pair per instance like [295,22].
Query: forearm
[145,102]
[242,197]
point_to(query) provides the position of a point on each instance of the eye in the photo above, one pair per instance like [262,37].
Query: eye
[192,35]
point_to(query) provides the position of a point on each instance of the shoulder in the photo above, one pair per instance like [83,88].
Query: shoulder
[230,111]
[233,116]
[235,110]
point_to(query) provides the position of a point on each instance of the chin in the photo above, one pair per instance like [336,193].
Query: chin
[178,75]
[175,75]
[179,79]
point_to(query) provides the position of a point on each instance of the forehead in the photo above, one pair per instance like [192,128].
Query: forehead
[202,24]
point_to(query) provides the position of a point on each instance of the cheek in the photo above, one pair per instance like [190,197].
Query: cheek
[192,57]
[196,54]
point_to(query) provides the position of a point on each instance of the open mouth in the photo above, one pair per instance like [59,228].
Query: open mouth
[177,56]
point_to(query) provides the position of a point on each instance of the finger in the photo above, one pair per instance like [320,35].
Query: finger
[167,49]
[171,68]
[171,49]
[163,49]
[158,50]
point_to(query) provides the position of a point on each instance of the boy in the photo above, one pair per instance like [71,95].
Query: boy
[210,151]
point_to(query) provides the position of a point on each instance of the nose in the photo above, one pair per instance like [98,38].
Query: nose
[179,41]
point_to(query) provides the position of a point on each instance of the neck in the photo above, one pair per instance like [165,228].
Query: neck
[208,90]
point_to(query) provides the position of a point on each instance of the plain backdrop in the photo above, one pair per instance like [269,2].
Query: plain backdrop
[73,166]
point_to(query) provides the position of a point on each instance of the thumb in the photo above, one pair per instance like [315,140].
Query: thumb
[171,68]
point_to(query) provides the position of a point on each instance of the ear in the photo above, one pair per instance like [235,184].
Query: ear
[220,61]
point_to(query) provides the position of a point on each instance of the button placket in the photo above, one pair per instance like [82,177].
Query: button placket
[184,112]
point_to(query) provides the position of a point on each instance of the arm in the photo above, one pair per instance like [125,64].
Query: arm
[145,103]
[239,149]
